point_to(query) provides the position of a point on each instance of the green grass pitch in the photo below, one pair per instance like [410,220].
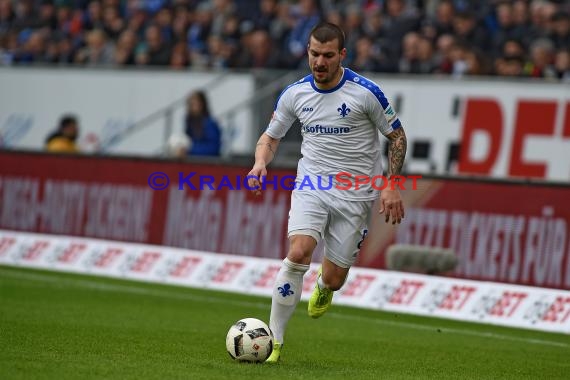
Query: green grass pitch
[66,326]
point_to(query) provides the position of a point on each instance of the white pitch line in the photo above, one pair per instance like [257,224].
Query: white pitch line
[479,334]
[131,289]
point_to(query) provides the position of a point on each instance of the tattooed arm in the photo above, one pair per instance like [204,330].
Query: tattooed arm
[396,151]
[265,149]
[264,154]
[390,199]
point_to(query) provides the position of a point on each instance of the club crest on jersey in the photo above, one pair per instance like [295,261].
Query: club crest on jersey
[344,110]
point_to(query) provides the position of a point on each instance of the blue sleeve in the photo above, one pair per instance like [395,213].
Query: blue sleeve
[211,144]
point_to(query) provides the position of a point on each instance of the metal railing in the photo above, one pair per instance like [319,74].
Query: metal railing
[261,95]
[227,118]
[162,113]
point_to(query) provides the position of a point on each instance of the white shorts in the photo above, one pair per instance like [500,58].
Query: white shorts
[341,224]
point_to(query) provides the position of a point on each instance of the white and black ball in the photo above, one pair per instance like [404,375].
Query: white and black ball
[249,340]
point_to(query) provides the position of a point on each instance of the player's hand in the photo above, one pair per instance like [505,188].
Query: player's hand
[259,172]
[391,205]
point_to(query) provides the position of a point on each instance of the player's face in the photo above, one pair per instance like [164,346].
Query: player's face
[324,61]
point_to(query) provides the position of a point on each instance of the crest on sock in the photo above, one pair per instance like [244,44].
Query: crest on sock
[285,290]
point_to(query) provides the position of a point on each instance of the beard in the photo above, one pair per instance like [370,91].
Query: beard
[323,75]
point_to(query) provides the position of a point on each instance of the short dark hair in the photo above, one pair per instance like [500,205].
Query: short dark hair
[67,120]
[327,31]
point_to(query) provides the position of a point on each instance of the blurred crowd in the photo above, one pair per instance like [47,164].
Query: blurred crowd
[522,38]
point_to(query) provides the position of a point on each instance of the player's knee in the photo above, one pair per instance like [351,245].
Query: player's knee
[301,249]
[300,255]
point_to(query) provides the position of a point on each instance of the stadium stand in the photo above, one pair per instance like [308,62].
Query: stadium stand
[449,37]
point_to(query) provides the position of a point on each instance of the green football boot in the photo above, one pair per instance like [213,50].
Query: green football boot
[274,357]
[320,300]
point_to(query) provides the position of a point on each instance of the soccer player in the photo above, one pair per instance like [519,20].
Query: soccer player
[342,115]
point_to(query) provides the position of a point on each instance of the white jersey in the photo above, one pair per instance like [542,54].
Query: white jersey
[341,132]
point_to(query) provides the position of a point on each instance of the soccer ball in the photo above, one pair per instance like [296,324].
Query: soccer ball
[249,340]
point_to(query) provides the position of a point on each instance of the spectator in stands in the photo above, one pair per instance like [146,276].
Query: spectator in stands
[260,52]
[164,22]
[125,48]
[63,139]
[113,23]
[137,19]
[99,51]
[180,23]
[352,27]
[7,16]
[59,50]
[281,24]
[25,17]
[476,63]
[426,61]
[467,28]
[560,34]
[334,16]
[444,18]
[460,54]
[266,15]
[443,57]
[47,15]
[521,22]
[156,51]
[401,19]
[373,25]
[507,29]
[220,54]
[233,31]
[541,59]
[409,56]
[222,10]
[93,16]
[33,49]
[513,47]
[367,55]
[179,59]
[305,16]
[510,66]
[198,33]
[521,13]
[562,64]
[203,131]
[541,12]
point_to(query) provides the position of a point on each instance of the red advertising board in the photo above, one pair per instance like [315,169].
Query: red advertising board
[510,143]
[513,233]
[111,198]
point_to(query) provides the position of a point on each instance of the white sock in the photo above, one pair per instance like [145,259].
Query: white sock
[286,295]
